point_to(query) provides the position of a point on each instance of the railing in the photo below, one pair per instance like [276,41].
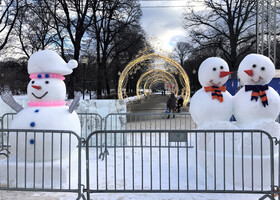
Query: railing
[133,159]
[41,160]
[91,122]
[220,162]
[149,121]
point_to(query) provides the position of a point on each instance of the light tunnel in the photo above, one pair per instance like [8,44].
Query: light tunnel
[152,75]
[149,84]
[172,66]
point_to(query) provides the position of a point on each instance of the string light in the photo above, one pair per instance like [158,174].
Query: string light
[135,62]
[154,74]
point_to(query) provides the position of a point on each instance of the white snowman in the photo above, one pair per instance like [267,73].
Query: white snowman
[46,110]
[256,105]
[211,107]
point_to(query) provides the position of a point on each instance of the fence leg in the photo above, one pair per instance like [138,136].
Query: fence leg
[81,196]
[266,196]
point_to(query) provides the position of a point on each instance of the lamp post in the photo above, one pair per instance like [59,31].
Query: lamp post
[84,62]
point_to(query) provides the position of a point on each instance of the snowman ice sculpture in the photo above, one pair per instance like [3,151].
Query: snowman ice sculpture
[212,106]
[46,110]
[256,106]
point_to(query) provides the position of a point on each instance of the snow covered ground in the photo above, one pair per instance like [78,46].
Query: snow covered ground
[11,195]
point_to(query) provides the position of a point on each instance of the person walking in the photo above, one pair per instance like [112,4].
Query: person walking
[179,104]
[171,104]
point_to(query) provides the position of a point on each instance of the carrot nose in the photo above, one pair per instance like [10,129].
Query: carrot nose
[249,72]
[224,73]
[36,87]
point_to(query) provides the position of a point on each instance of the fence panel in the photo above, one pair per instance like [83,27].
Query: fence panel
[149,121]
[90,122]
[41,160]
[144,121]
[219,162]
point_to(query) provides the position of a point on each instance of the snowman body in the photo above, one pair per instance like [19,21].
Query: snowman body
[46,110]
[38,146]
[247,111]
[259,109]
[206,110]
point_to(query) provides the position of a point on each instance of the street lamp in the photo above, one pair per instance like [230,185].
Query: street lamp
[84,62]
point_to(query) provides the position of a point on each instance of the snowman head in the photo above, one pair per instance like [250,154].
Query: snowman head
[256,69]
[46,69]
[213,71]
[46,89]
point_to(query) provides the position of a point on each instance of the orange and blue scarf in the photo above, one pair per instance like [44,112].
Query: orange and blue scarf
[258,91]
[216,92]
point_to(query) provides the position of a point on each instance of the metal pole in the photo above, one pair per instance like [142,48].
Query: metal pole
[84,77]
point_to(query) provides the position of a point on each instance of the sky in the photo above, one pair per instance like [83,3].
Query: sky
[163,24]
[163,20]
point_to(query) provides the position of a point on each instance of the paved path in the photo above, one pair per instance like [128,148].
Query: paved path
[155,104]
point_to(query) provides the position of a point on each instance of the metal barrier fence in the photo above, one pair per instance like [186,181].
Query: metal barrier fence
[90,122]
[41,160]
[149,121]
[219,162]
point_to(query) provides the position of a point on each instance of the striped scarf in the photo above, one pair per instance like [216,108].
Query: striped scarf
[258,91]
[216,92]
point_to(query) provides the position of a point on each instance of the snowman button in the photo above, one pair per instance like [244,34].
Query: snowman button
[32,124]
[32,141]
[37,110]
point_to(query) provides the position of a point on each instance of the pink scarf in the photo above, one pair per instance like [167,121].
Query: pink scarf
[46,103]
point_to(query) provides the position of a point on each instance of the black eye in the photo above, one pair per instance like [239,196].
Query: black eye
[263,68]
[214,69]
[254,66]
[47,82]
[221,67]
[32,82]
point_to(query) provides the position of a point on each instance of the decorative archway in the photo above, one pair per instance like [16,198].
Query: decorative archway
[166,79]
[154,73]
[156,81]
[178,70]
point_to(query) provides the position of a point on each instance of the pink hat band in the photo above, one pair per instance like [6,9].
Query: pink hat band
[48,75]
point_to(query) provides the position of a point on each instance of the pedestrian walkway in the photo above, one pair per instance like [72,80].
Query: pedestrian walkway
[154,104]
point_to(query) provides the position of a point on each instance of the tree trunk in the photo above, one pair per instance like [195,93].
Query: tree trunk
[72,86]
[99,81]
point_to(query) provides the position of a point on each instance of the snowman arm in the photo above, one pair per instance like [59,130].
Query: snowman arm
[77,96]
[9,100]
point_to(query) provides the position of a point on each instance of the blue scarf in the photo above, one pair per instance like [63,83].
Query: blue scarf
[258,91]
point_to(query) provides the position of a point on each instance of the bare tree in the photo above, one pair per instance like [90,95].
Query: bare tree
[34,27]
[9,10]
[111,20]
[181,51]
[71,17]
[226,24]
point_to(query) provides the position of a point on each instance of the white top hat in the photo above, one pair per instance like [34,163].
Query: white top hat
[48,61]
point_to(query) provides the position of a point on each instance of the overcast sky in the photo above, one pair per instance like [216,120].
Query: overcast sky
[164,23]
[164,19]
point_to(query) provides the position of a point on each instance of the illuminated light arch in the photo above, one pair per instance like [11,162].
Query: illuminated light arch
[181,72]
[156,81]
[151,73]
[170,80]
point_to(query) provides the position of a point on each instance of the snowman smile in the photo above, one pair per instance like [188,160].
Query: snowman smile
[260,78]
[40,96]
[214,83]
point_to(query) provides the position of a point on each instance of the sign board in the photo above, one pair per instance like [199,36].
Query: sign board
[178,136]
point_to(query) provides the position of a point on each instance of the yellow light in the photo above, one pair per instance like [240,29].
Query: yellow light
[155,73]
[125,72]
